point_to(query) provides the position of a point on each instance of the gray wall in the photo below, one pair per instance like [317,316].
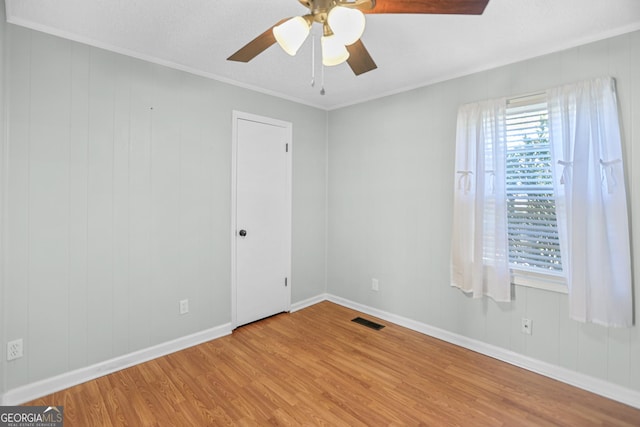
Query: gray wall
[118,196]
[390,206]
[2,73]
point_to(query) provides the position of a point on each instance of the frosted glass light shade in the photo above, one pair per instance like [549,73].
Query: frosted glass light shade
[333,51]
[347,24]
[291,34]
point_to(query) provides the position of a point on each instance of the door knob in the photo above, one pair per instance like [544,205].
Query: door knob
[242,233]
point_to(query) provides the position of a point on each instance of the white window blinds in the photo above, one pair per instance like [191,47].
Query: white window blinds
[531,213]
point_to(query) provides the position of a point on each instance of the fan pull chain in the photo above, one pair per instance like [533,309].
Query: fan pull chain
[322,77]
[313,60]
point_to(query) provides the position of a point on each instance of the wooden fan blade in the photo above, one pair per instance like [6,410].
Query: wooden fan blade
[445,7]
[256,46]
[359,59]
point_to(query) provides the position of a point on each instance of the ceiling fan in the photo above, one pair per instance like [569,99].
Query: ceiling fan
[343,23]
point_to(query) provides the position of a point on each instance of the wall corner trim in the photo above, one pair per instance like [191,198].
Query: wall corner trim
[309,302]
[47,386]
[586,382]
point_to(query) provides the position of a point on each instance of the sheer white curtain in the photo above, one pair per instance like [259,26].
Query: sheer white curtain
[591,201]
[479,251]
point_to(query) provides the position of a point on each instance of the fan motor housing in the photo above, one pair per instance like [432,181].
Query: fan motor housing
[320,8]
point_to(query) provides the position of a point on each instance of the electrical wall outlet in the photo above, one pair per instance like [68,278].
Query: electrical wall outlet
[527,324]
[14,349]
[184,306]
[374,284]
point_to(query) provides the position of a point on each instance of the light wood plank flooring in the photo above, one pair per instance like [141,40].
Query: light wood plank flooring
[316,367]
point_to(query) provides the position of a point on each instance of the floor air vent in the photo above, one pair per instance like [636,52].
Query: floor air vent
[368,323]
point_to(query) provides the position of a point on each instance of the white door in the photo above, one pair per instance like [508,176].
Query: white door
[261,218]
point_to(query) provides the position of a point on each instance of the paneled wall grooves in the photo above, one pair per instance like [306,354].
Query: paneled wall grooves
[69,349]
[28,204]
[114,248]
[127,239]
[4,163]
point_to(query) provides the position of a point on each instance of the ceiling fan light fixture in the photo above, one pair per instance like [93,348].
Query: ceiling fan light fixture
[291,34]
[347,24]
[333,51]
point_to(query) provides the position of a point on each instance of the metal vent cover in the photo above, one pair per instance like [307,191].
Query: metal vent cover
[368,323]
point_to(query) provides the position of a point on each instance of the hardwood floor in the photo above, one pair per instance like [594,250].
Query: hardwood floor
[316,367]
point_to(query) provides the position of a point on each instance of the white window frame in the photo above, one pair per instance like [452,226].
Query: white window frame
[548,281]
[534,279]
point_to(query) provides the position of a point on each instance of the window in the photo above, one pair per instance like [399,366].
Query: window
[516,158]
[532,228]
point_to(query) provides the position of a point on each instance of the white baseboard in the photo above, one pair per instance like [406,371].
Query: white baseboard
[308,302]
[47,386]
[595,385]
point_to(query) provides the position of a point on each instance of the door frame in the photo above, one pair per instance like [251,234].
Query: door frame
[239,115]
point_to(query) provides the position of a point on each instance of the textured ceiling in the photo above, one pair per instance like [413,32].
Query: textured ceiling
[410,50]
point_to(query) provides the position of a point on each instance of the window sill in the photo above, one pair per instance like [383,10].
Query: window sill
[547,282]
